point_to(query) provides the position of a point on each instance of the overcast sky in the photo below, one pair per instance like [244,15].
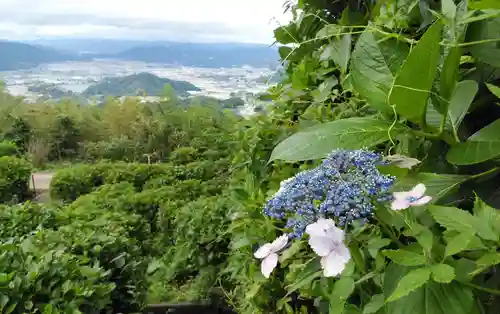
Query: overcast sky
[179,20]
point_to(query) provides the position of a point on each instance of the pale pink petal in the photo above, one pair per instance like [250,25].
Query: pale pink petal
[424,200]
[401,195]
[418,191]
[263,251]
[279,243]
[399,204]
[268,264]
[321,245]
[332,265]
[343,252]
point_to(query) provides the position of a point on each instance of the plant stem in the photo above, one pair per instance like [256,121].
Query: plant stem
[477,287]
[389,232]
[482,174]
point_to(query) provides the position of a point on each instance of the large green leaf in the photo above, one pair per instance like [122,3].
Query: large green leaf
[318,141]
[406,258]
[438,185]
[371,76]
[481,146]
[431,298]
[486,32]
[462,98]
[411,88]
[495,90]
[453,218]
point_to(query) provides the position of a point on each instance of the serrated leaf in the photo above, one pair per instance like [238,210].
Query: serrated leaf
[443,273]
[458,243]
[405,258]
[375,304]
[410,282]
[453,218]
[431,298]
[318,141]
[481,146]
[413,83]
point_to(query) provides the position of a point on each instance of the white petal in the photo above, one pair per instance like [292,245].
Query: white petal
[424,200]
[325,228]
[321,245]
[263,251]
[333,264]
[399,204]
[418,191]
[268,264]
[279,243]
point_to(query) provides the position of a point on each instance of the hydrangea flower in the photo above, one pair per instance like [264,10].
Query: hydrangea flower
[268,253]
[327,241]
[345,187]
[415,197]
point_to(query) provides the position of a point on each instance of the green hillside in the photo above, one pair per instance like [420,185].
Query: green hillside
[135,84]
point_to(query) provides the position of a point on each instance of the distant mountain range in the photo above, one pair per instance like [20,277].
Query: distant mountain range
[17,55]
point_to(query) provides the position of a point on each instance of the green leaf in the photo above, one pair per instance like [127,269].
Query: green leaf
[443,273]
[485,4]
[487,214]
[343,287]
[375,244]
[449,73]
[405,258]
[462,98]
[495,90]
[410,282]
[448,9]
[431,298]
[375,304]
[425,239]
[411,88]
[486,32]
[458,243]
[318,141]
[294,248]
[489,259]
[481,146]
[438,185]
[339,50]
[453,218]
[371,76]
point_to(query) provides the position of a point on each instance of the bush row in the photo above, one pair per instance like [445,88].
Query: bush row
[68,184]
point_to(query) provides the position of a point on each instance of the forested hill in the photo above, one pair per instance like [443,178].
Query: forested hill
[131,85]
[14,55]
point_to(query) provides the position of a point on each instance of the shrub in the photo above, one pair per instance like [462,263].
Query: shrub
[197,251]
[68,184]
[14,179]
[39,279]
[8,148]
[22,219]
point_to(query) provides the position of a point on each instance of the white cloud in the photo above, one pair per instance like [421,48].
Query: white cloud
[205,20]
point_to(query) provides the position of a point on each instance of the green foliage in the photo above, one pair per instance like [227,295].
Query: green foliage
[15,174]
[8,149]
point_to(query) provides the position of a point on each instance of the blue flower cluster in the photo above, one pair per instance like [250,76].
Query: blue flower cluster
[346,186]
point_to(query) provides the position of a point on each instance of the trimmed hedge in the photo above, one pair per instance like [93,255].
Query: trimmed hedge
[14,179]
[8,148]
